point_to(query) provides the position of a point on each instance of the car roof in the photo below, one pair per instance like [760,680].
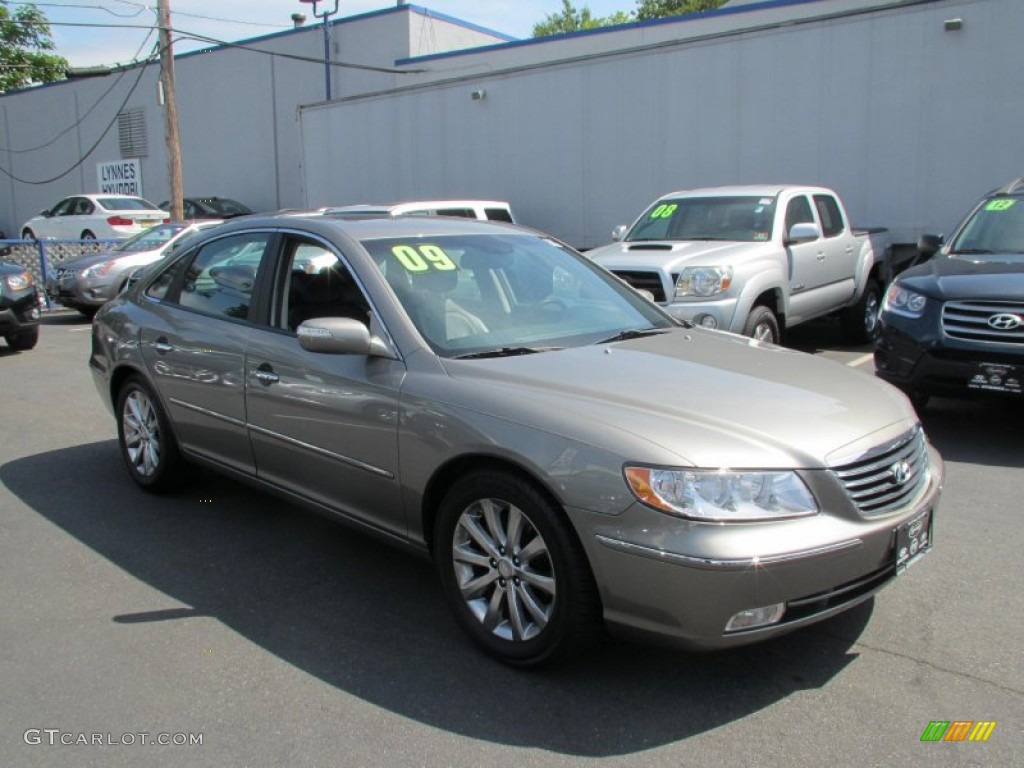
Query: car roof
[415,204]
[743,190]
[373,228]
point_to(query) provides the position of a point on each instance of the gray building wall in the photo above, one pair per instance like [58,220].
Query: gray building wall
[238,118]
[909,121]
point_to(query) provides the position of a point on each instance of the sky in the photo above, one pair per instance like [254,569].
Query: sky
[232,20]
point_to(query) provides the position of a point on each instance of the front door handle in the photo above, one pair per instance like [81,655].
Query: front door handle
[265,375]
[163,346]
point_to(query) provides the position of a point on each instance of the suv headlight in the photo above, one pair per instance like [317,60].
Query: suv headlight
[19,282]
[903,302]
[703,281]
[722,494]
[98,270]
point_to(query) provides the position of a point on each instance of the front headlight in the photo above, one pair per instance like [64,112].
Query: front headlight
[98,270]
[722,494]
[703,281]
[19,282]
[903,302]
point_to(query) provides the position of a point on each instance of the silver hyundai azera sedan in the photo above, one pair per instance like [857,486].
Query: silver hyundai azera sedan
[569,455]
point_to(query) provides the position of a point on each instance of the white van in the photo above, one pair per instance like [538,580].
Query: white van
[486,210]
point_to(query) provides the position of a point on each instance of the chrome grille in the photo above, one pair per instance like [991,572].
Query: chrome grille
[646,281]
[1001,322]
[871,480]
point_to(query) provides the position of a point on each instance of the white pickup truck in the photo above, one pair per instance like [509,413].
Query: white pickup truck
[755,260]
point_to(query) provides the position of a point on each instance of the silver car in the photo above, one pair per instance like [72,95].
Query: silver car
[89,282]
[569,455]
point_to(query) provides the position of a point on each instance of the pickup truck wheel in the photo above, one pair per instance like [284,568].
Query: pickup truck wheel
[860,322]
[762,325]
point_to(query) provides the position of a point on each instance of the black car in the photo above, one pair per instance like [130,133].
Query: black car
[19,307]
[954,325]
[210,208]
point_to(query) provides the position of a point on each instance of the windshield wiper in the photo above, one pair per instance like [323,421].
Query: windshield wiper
[971,251]
[632,333]
[506,352]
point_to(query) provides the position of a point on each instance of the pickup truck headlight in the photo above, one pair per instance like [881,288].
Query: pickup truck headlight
[722,495]
[903,302]
[703,281]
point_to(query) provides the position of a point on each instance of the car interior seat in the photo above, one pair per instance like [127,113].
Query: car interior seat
[329,293]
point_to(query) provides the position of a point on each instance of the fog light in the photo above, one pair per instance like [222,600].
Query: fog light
[707,321]
[756,617]
[34,313]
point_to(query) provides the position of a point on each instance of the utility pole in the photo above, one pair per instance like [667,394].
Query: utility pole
[170,109]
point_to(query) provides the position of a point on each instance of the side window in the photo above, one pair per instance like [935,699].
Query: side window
[798,212]
[220,277]
[828,212]
[64,207]
[498,214]
[462,213]
[316,283]
[85,207]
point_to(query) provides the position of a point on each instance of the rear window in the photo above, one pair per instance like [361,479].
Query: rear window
[498,214]
[126,204]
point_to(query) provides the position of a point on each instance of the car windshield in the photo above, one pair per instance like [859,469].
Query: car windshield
[126,204]
[150,239]
[735,219]
[488,295]
[994,233]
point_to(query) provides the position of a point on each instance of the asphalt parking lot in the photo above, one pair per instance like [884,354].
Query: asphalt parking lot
[279,638]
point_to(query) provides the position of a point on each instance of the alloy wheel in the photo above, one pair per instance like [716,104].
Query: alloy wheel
[504,570]
[141,433]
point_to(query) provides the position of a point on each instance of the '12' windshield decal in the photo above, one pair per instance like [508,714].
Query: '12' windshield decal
[1000,205]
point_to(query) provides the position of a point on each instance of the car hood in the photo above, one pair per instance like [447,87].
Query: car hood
[958,278]
[124,258]
[672,255]
[692,397]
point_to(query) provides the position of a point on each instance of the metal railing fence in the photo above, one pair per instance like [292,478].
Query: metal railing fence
[42,257]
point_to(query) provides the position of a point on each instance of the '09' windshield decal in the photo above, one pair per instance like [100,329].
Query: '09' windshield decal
[423,258]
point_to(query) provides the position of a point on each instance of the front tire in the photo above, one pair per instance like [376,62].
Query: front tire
[23,341]
[28,234]
[861,324]
[147,444]
[513,572]
[762,325]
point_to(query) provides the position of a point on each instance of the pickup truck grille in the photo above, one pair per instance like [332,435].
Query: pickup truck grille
[888,477]
[646,281]
[1000,322]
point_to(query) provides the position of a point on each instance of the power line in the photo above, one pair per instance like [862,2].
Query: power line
[106,130]
[89,111]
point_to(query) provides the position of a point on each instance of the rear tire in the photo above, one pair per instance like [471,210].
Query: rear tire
[762,325]
[860,322]
[87,235]
[144,435]
[513,572]
[23,341]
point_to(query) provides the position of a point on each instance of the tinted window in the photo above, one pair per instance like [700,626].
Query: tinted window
[498,214]
[125,204]
[220,278]
[316,283]
[828,212]
[798,212]
[64,207]
[462,213]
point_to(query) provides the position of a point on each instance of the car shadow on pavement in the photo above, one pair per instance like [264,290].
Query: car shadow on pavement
[976,431]
[370,620]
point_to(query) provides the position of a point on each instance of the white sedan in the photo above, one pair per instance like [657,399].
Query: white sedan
[88,217]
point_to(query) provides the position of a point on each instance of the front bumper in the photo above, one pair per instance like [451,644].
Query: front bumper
[722,313]
[73,290]
[682,584]
[919,361]
[19,311]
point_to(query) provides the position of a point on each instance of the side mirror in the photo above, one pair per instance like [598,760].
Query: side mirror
[46,212]
[619,233]
[928,246]
[803,233]
[340,336]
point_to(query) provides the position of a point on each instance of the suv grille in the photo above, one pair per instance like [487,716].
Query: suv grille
[645,281]
[873,480]
[987,321]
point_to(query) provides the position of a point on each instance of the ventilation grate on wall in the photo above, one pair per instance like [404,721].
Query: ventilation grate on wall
[131,128]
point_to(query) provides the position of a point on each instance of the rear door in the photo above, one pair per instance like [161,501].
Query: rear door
[195,346]
[838,246]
